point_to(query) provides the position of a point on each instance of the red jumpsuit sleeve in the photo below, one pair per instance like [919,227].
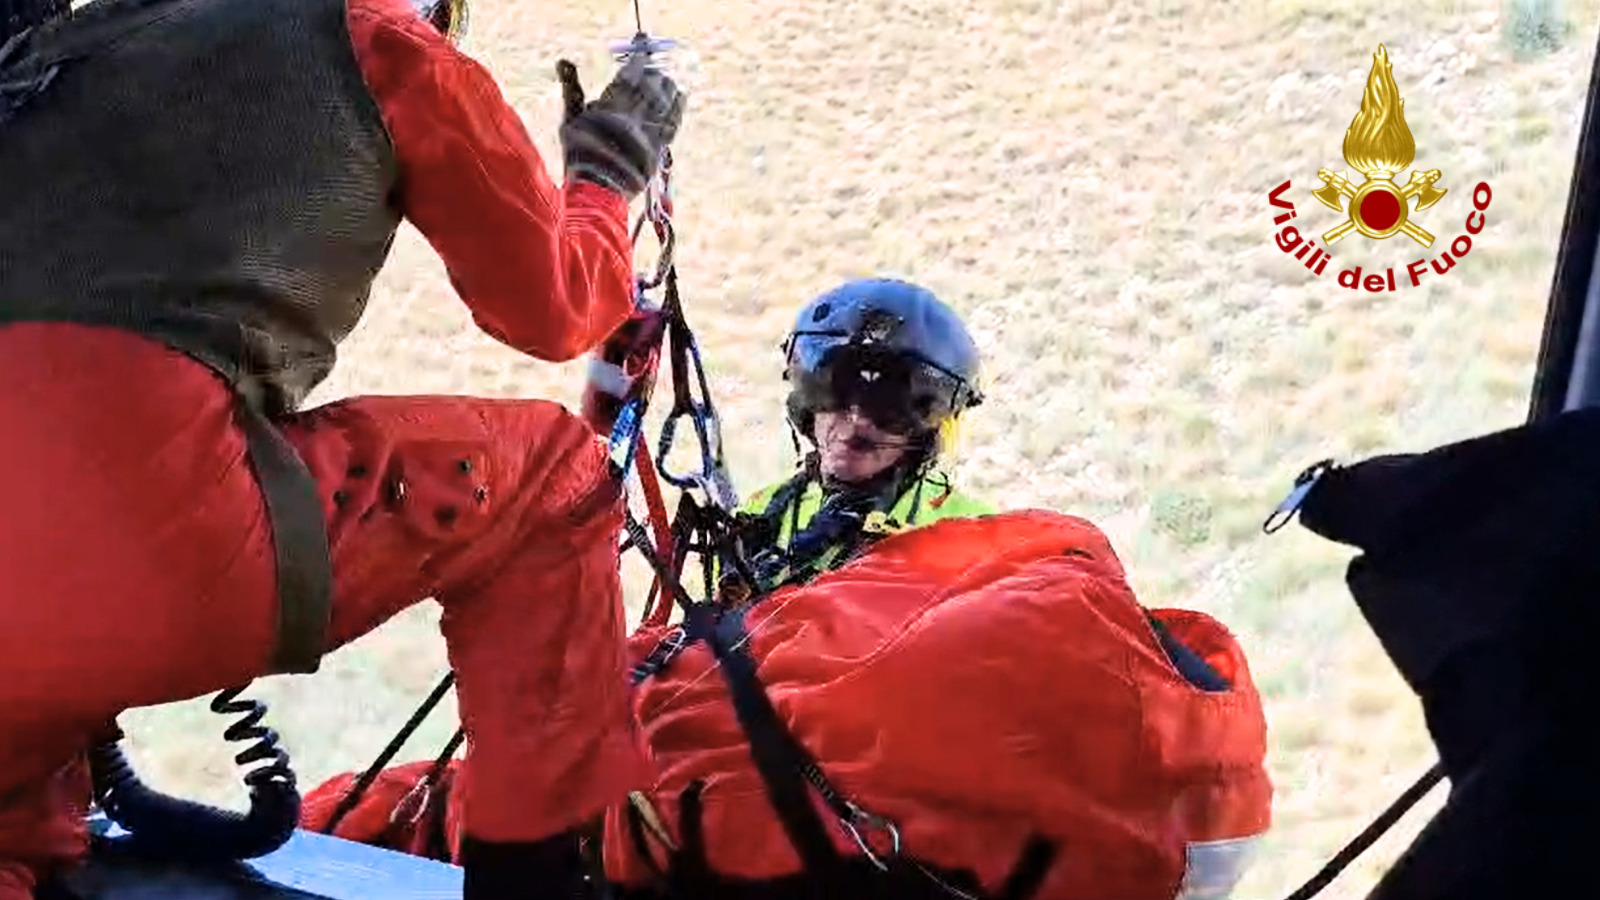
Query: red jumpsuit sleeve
[545,269]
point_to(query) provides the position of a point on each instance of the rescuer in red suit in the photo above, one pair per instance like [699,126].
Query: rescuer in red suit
[195,197]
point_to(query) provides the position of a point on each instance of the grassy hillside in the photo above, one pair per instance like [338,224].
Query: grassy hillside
[1088,183]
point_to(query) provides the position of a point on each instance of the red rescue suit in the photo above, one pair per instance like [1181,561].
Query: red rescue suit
[138,565]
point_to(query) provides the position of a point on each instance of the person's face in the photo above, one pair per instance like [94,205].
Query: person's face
[851,448]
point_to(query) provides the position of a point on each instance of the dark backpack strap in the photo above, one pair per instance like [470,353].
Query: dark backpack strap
[1028,875]
[303,560]
[691,867]
[785,501]
[783,763]
[785,495]
[641,843]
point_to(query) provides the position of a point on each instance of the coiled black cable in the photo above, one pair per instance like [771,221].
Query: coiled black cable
[168,828]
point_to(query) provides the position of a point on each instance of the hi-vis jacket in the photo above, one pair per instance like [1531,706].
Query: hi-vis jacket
[929,500]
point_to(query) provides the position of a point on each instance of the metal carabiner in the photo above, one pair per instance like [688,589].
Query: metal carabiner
[873,821]
[658,212]
[1303,483]
[669,432]
[712,477]
[674,643]
[668,239]
[718,486]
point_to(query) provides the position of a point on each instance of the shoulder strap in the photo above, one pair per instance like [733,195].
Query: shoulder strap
[787,769]
[785,496]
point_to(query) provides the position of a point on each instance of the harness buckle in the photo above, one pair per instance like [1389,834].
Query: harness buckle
[860,819]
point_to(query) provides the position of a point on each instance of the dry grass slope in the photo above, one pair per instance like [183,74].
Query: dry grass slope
[1088,183]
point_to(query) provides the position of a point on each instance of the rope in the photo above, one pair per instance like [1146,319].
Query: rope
[1369,835]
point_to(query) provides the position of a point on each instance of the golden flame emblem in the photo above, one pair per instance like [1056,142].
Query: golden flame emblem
[1379,145]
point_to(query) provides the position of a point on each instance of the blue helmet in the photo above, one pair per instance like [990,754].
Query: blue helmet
[888,347]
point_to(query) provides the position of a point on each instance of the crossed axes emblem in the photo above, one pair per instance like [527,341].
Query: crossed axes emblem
[1421,186]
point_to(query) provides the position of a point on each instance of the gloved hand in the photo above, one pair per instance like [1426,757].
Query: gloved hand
[624,367]
[616,141]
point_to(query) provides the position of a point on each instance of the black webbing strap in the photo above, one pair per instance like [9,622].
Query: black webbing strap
[788,771]
[786,767]
[303,560]
[789,774]
[1033,865]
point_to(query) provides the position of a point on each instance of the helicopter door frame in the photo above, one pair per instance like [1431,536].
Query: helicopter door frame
[1567,375]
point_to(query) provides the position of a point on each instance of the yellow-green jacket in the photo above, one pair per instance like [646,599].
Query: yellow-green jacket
[930,499]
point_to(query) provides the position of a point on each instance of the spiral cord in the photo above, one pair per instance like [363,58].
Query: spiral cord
[279,773]
[165,827]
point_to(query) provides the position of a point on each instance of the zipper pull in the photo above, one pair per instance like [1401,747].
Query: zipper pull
[1303,483]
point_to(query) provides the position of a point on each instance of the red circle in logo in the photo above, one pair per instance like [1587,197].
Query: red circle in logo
[1380,209]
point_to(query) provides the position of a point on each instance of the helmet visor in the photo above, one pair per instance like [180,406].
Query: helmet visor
[900,393]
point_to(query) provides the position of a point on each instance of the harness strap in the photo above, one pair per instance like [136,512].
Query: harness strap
[1028,875]
[839,527]
[788,771]
[686,873]
[763,529]
[784,496]
[665,544]
[783,763]
[301,553]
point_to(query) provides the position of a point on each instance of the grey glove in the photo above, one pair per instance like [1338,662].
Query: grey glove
[616,140]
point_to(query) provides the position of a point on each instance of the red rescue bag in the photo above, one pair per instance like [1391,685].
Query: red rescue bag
[978,682]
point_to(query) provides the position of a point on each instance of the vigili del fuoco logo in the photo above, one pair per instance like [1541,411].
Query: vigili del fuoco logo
[1378,145]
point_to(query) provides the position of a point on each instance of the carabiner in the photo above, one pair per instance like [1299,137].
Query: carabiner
[860,816]
[674,642]
[718,485]
[669,429]
[1303,483]
[668,239]
[658,212]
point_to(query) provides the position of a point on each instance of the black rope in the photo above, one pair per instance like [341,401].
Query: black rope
[642,543]
[1369,835]
[359,787]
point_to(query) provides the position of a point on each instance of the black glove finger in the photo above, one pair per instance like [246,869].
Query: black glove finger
[571,88]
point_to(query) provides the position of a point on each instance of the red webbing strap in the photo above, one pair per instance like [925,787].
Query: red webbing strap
[655,502]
